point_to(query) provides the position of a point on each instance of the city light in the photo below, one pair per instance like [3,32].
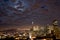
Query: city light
[50,32]
[43,39]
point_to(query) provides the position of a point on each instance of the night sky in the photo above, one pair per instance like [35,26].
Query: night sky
[21,13]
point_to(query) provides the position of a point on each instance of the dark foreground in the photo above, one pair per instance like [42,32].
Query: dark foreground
[38,38]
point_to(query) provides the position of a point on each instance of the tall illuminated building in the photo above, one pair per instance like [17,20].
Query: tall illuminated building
[35,27]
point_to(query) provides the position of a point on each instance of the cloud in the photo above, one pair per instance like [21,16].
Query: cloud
[13,13]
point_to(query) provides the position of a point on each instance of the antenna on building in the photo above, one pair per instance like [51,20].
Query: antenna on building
[32,22]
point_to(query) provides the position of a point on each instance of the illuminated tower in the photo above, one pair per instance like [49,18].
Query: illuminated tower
[35,27]
[55,25]
[56,29]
